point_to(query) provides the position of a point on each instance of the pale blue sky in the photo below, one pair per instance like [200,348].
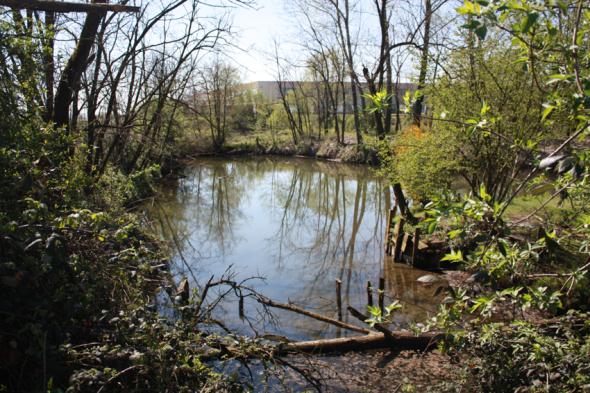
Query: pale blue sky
[255,31]
[257,28]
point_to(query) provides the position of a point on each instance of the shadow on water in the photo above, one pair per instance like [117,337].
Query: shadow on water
[298,225]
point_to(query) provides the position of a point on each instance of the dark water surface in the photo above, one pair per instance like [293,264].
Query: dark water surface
[299,225]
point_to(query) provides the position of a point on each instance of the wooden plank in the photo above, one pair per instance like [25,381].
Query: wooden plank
[65,7]
[402,250]
[398,234]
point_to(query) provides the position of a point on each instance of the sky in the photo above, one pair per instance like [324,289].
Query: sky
[257,28]
[255,31]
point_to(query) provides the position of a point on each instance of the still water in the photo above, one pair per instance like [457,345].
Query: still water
[291,226]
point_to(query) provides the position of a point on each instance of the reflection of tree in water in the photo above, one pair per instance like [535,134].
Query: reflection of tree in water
[303,221]
[321,221]
[214,192]
[419,300]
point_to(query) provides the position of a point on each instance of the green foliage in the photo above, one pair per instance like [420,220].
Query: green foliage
[377,317]
[500,327]
[489,110]
[378,102]
[522,357]
[249,111]
[58,273]
[463,219]
[143,183]
[158,353]
[423,162]
[277,120]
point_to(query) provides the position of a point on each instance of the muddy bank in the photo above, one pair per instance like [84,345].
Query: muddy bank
[322,149]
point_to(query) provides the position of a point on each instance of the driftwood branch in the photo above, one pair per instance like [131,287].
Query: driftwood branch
[398,340]
[65,7]
[319,317]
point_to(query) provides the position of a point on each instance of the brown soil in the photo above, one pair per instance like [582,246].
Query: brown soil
[384,371]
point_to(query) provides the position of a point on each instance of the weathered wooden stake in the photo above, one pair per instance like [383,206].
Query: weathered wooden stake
[387,230]
[241,307]
[398,234]
[381,294]
[389,239]
[416,242]
[183,290]
[369,293]
[404,247]
[339,298]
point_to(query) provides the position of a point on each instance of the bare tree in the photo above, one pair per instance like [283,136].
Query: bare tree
[283,86]
[126,75]
[215,98]
[424,57]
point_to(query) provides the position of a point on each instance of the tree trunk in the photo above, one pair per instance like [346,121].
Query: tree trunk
[49,64]
[419,103]
[73,70]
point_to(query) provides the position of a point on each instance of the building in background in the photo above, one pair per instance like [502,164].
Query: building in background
[271,92]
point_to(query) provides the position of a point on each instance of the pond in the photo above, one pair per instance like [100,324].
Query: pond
[293,226]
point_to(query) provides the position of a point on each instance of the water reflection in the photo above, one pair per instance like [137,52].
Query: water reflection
[299,223]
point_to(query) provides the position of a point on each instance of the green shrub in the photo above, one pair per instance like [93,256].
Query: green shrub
[424,163]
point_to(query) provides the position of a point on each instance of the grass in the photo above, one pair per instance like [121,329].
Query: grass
[524,205]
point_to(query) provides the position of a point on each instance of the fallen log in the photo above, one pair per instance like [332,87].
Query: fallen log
[398,340]
[319,317]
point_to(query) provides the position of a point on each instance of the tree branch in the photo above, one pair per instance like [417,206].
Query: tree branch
[64,7]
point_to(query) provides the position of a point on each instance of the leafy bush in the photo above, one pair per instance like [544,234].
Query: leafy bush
[424,162]
[524,357]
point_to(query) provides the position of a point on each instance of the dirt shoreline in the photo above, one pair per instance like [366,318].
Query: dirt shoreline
[328,150]
[376,371]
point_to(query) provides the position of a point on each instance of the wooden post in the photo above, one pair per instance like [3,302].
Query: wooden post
[339,298]
[387,229]
[389,240]
[398,234]
[241,307]
[369,294]
[381,294]
[183,290]
[404,246]
[415,244]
